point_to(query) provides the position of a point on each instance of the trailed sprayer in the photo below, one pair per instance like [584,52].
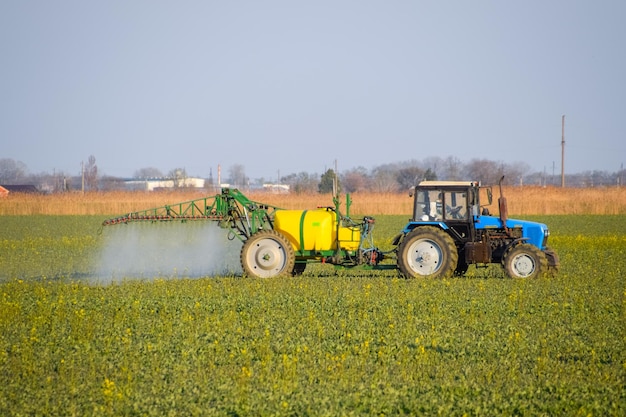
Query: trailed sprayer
[448,231]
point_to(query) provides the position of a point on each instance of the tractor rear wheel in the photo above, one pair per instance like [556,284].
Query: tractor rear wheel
[525,261]
[267,254]
[427,252]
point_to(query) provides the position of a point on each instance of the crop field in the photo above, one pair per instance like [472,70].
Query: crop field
[74,342]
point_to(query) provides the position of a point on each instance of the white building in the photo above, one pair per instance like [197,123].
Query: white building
[150,184]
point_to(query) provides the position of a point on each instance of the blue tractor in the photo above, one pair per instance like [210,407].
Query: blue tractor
[451,230]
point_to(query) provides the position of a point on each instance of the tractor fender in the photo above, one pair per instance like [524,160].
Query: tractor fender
[515,242]
[412,226]
[553,258]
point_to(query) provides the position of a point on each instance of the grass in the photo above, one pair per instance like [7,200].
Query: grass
[327,343]
[312,347]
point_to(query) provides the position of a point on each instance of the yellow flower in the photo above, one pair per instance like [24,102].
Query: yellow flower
[108,387]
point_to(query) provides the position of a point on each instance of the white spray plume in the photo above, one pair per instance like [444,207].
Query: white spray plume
[167,250]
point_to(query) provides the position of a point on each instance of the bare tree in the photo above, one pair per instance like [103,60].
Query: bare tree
[483,170]
[11,171]
[179,175]
[384,180]
[516,172]
[237,174]
[409,177]
[434,164]
[91,173]
[450,169]
[302,182]
[355,179]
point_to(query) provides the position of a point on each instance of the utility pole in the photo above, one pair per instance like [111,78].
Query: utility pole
[563,151]
[82,177]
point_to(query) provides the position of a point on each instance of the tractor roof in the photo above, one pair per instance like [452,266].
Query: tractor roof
[449,184]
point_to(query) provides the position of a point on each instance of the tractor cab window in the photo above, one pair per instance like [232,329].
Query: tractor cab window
[428,205]
[455,205]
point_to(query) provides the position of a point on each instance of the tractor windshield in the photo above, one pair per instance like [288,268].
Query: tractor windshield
[440,204]
[456,205]
[428,205]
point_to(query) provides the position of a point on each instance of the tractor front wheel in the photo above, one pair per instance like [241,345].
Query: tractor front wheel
[525,261]
[427,252]
[267,254]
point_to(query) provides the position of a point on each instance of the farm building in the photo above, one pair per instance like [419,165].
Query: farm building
[5,190]
[151,184]
[276,188]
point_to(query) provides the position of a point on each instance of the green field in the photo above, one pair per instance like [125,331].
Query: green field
[326,343]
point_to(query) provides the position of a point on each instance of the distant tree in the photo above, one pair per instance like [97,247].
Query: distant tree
[536,178]
[49,182]
[91,173]
[384,180]
[302,182]
[109,183]
[620,177]
[11,171]
[595,178]
[148,172]
[450,169]
[179,175]
[483,170]
[409,177]
[435,164]
[515,172]
[354,180]
[237,174]
[430,175]
[327,182]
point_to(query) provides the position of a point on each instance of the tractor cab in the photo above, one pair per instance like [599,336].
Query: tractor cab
[451,205]
[444,201]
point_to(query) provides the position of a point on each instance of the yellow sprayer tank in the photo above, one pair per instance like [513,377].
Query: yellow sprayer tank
[315,230]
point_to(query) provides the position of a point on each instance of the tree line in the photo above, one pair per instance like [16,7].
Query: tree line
[389,178]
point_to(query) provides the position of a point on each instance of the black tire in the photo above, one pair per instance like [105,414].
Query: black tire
[267,254]
[427,252]
[525,261]
[553,262]
[298,269]
[461,268]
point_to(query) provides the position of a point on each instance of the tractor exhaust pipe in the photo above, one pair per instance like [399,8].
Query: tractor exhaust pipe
[502,205]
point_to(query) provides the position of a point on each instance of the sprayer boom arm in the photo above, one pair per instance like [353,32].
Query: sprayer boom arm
[231,209]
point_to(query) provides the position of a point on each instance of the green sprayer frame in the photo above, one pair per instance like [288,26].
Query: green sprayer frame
[231,209]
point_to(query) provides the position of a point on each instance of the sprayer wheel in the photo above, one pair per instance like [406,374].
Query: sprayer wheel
[267,254]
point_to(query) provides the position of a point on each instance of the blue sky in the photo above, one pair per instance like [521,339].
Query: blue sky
[291,86]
